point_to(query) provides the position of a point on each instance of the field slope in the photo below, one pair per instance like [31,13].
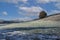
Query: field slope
[51,21]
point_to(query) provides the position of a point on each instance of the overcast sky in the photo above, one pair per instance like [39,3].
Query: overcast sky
[27,9]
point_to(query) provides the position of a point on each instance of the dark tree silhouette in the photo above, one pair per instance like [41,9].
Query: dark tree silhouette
[42,14]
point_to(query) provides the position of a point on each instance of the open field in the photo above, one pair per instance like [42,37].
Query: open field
[37,23]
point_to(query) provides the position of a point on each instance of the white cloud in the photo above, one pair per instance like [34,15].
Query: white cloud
[57,2]
[38,1]
[58,5]
[42,1]
[54,12]
[46,1]
[5,13]
[31,11]
[13,1]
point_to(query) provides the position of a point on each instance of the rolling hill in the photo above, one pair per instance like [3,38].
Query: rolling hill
[50,21]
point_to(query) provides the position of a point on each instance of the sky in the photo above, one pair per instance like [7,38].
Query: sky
[27,9]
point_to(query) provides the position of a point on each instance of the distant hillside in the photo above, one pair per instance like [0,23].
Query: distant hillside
[9,22]
[53,17]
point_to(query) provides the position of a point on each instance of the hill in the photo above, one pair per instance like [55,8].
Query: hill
[50,21]
[54,17]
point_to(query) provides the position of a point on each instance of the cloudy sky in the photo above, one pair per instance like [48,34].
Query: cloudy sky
[27,9]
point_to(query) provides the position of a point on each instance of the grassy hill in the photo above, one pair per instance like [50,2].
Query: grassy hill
[51,21]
